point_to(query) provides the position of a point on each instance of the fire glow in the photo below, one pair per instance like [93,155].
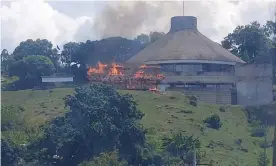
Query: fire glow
[146,77]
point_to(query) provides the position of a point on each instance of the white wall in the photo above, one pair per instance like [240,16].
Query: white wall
[254,84]
[57,79]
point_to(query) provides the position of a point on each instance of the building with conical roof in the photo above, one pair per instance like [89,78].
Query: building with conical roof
[184,44]
[192,62]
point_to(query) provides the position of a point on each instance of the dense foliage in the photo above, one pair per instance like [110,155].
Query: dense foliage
[250,42]
[73,58]
[105,159]
[100,119]
[182,147]
[11,117]
[9,154]
[213,121]
[253,42]
[36,47]
[263,160]
[102,126]
[30,69]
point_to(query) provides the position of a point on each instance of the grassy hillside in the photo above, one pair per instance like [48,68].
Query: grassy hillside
[163,114]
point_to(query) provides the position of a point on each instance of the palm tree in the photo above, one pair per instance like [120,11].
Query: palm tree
[181,146]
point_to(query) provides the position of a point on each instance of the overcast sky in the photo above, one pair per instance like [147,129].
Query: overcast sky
[63,21]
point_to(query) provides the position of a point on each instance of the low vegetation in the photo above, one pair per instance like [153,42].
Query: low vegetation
[213,121]
[104,159]
[165,119]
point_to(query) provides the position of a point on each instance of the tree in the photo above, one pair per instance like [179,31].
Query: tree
[181,146]
[6,61]
[11,117]
[76,56]
[155,35]
[143,39]
[263,160]
[270,29]
[100,119]
[105,159]
[248,42]
[113,49]
[69,49]
[213,121]
[36,47]
[4,55]
[9,154]
[30,69]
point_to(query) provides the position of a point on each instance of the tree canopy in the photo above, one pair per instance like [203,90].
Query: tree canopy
[30,69]
[6,61]
[75,57]
[249,42]
[36,47]
[100,119]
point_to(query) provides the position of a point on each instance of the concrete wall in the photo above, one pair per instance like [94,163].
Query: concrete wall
[200,79]
[254,84]
[57,79]
[211,96]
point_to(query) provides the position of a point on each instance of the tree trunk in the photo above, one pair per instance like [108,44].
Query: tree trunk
[274,147]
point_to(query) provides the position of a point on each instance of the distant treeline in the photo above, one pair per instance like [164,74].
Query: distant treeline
[35,58]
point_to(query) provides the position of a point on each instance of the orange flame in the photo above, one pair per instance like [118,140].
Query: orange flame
[139,74]
[99,69]
[149,78]
[114,69]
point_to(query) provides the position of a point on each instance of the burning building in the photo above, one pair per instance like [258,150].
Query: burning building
[137,78]
[191,62]
[185,60]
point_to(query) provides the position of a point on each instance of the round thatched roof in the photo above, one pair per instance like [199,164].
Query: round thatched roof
[184,44]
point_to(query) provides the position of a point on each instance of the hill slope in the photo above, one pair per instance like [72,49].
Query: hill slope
[163,114]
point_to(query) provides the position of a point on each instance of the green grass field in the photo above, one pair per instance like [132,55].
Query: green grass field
[163,114]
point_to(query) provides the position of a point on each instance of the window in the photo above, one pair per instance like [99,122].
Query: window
[197,68]
[178,67]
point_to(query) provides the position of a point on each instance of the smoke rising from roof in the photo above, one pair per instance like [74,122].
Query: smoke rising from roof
[26,19]
[215,18]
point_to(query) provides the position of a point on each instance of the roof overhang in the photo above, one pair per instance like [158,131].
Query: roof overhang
[189,61]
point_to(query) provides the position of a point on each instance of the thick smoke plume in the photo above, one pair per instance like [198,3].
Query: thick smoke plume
[26,19]
[215,18]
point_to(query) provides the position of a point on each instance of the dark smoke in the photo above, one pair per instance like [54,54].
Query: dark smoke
[127,18]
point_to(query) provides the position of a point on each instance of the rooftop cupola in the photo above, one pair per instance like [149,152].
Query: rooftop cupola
[180,23]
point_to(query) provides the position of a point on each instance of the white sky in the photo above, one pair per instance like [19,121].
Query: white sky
[61,21]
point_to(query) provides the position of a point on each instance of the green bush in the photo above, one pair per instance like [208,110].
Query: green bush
[181,147]
[213,121]
[263,160]
[258,132]
[105,159]
[11,117]
[8,84]
[238,142]
[261,114]
[193,100]
[100,119]
[9,153]
[222,109]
